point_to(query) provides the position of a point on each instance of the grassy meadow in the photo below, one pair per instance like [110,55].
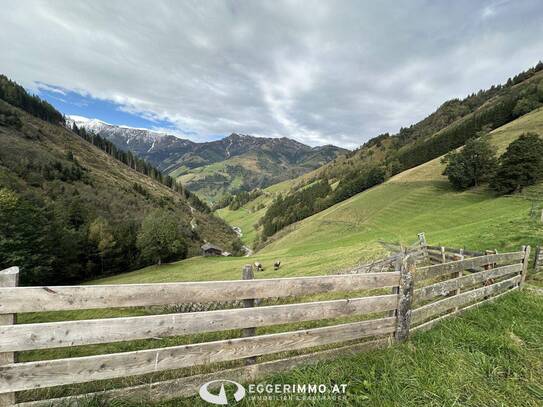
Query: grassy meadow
[485,357]
[417,200]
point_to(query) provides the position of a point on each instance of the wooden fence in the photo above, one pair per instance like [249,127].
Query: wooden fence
[421,296]
[538,259]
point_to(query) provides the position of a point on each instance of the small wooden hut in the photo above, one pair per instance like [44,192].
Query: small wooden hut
[209,249]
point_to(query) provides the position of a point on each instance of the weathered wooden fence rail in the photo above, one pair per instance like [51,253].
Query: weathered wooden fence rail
[437,291]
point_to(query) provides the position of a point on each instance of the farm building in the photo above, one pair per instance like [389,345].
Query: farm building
[209,249]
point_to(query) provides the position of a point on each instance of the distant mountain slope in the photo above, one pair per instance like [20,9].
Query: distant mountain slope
[230,165]
[160,149]
[76,209]
[258,168]
[449,127]
[416,200]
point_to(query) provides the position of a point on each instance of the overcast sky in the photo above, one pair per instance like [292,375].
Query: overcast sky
[321,72]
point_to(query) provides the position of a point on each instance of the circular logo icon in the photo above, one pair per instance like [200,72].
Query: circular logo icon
[221,398]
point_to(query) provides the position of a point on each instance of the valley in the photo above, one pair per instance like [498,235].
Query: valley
[212,169]
[129,227]
[418,200]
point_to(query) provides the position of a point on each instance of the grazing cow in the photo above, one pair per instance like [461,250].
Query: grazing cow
[258,266]
[276,265]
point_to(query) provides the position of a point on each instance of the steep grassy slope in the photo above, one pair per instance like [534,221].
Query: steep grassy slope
[246,218]
[417,200]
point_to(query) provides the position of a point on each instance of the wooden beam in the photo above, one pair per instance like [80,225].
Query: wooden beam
[443,288]
[427,311]
[39,374]
[537,258]
[94,331]
[525,261]
[430,324]
[189,386]
[38,299]
[437,270]
[8,278]
[405,299]
[248,274]
[457,251]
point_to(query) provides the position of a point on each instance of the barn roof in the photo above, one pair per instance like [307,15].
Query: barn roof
[209,246]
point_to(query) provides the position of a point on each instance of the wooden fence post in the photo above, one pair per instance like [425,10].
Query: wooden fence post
[443,257]
[8,278]
[406,299]
[537,259]
[460,257]
[526,250]
[248,274]
[423,245]
[396,290]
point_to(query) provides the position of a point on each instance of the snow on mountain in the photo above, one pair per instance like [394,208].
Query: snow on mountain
[170,153]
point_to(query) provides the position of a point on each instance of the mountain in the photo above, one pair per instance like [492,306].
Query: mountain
[416,200]
[386,155]
[70,211]
[233,164]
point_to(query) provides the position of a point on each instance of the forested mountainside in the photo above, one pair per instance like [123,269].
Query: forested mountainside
[268,163]
[449,127]
[231,165]
[71,210]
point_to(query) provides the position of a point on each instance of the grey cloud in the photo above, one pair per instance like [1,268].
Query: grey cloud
[318,71]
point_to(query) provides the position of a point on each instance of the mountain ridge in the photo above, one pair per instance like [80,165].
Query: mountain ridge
[235,163]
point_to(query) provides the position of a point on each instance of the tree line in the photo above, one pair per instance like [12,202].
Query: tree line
[234,202]
[140,165]
[286,210]
[17,96]
[521,165]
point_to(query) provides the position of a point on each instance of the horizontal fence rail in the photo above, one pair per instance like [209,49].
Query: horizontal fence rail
[437,270]
[94,331]
[445,287]
[420,298]
[32,375]
[38,299]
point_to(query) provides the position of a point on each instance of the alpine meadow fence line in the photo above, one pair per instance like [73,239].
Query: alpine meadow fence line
[421,297]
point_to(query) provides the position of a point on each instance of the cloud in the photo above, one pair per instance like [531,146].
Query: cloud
[317,71]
